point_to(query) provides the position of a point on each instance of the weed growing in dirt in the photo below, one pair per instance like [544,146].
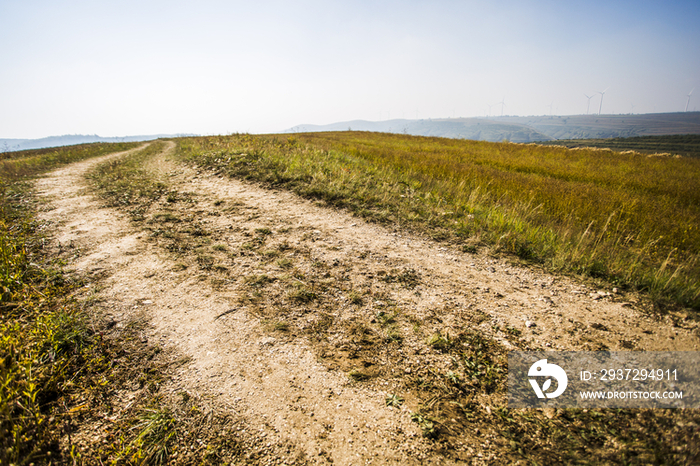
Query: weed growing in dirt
[427,425]
[358,375]
[394,400]
[156,431]
[355,298]
[285,263]
[407,278]
[301,294]
[258,280]
[439,342]
[280,326]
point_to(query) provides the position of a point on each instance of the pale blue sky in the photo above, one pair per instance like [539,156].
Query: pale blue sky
[118,68]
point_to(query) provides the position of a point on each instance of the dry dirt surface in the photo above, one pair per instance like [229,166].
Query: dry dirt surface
[301,320]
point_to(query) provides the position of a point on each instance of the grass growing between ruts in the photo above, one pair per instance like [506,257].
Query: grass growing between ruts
[630,219]
[127,184]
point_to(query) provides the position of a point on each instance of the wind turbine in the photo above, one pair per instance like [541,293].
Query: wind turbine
[503,104]
[688,101]
[601,99]
[550,108]
[490,105]
[589,97]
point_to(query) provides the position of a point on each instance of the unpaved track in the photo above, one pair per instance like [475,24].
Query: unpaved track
[279,386]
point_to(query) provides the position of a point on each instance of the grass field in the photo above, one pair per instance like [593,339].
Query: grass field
[630,219]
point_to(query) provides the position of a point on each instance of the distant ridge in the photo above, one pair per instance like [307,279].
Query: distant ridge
[462,128]
[11,145]
[528,129]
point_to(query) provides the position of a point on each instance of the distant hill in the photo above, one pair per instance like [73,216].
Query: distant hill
[529,129]
[460,128]
[11,145]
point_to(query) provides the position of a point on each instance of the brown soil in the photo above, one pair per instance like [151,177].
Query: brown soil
[277,300]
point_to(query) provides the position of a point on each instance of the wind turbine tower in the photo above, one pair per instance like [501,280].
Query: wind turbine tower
[503,104]
[601,99]
[589,97]
[688,101]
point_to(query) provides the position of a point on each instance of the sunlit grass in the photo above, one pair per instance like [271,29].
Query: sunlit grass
[44,339]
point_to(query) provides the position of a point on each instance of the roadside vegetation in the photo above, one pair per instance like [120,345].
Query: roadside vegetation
[15,165]
[48,352]
[629,219]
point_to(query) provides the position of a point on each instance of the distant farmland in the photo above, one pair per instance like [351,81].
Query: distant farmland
[611,126]
[687,145]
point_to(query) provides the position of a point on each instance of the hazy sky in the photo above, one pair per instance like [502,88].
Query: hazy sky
[118,68]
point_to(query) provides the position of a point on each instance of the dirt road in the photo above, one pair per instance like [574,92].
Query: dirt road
[302,320]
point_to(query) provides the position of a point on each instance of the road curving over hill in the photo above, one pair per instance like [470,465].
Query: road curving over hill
[312,327]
